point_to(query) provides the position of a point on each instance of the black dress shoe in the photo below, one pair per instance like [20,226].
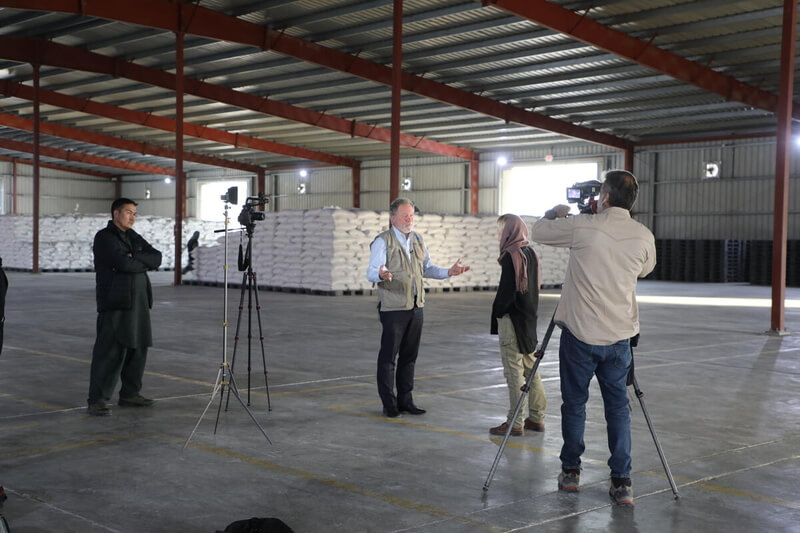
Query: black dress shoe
[391,412]
[412,409]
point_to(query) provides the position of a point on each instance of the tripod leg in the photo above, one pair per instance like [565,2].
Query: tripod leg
[217,385]
[539,354]
[525,389]
[249,327]
[640,395]
[224,383]
[261,338]
[236,393]
[236,335]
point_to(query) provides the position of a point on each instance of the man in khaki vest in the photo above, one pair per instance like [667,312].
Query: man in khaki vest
[398,262]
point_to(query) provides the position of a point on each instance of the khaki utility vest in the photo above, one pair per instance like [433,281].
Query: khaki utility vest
[398,294]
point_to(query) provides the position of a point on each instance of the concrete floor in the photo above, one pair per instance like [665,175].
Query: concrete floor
[723,397]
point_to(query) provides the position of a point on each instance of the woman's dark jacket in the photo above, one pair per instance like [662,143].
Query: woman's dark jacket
[118,257]
[520,307]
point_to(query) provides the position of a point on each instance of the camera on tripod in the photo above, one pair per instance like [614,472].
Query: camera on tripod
[249,215]
[585,195]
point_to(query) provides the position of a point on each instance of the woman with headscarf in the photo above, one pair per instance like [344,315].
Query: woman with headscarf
[514,321]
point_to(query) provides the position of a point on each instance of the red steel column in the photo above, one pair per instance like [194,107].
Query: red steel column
[781,210]
[397,84]
[14,187]
[180,179]
[355,172]
[261,185]
[118,187]
[35,199]
[474,183]
[629,159]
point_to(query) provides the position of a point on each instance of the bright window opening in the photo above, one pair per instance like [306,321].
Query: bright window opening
[533,189]
[211,205]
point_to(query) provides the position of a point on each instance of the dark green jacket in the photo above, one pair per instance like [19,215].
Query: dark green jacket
[119,257]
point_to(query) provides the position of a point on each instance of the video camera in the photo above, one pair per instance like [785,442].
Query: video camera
[249,215]
[585,195]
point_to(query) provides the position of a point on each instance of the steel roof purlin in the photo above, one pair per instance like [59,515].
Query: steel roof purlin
[200,21]
[645,53]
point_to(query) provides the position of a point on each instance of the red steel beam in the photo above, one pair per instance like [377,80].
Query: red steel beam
[13,89]
[50,53]
[72,155]
[56,166]
[584,29]
[782,168]
[397,88]
[205,22]
[101,139]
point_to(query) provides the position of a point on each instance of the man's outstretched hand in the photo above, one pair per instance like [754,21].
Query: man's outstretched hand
[457,269]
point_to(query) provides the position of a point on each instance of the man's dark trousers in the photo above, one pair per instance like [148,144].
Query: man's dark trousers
[111,359]
[402,331]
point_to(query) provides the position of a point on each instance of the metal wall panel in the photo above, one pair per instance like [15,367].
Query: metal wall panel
[59,193]
[737,205]
[162,196]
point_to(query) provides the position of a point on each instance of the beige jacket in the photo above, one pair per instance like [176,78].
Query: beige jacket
[608,253]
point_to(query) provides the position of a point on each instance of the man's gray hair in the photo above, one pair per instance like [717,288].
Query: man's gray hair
[397,203]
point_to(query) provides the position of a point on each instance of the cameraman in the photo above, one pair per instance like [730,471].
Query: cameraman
[598,315]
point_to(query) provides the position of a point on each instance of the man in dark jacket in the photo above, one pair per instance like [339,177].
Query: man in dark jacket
[124,299]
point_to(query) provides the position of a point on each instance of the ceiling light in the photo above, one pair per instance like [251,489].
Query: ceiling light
[168,180]
[502,161]
[303,173]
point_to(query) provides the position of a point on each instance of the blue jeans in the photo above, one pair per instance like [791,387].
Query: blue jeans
[578,362]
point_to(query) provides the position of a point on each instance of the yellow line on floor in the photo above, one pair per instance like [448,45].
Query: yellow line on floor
[339,485]
[35,403]
[21,426]
[88,362]
[510,444]
[68,446]
[703,483]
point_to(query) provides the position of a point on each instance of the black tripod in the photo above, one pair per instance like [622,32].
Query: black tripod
[639,394]
[525,388]
[249,285]
[630,381]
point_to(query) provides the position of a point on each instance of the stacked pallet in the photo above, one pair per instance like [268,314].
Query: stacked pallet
[327,250]
[65,241]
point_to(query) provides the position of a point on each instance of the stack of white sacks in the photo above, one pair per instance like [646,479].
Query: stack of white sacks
[65,241]
[327,250]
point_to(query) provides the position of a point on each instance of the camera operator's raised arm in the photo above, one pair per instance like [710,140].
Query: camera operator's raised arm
[559,211]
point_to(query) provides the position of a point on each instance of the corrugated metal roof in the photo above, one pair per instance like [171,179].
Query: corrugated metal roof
[475,48]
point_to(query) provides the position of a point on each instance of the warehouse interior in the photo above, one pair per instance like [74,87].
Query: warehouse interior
[321,112]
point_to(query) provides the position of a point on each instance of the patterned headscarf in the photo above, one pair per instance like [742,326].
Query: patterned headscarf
[513,238]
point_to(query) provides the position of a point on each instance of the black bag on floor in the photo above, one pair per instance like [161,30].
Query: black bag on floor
[258,525]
